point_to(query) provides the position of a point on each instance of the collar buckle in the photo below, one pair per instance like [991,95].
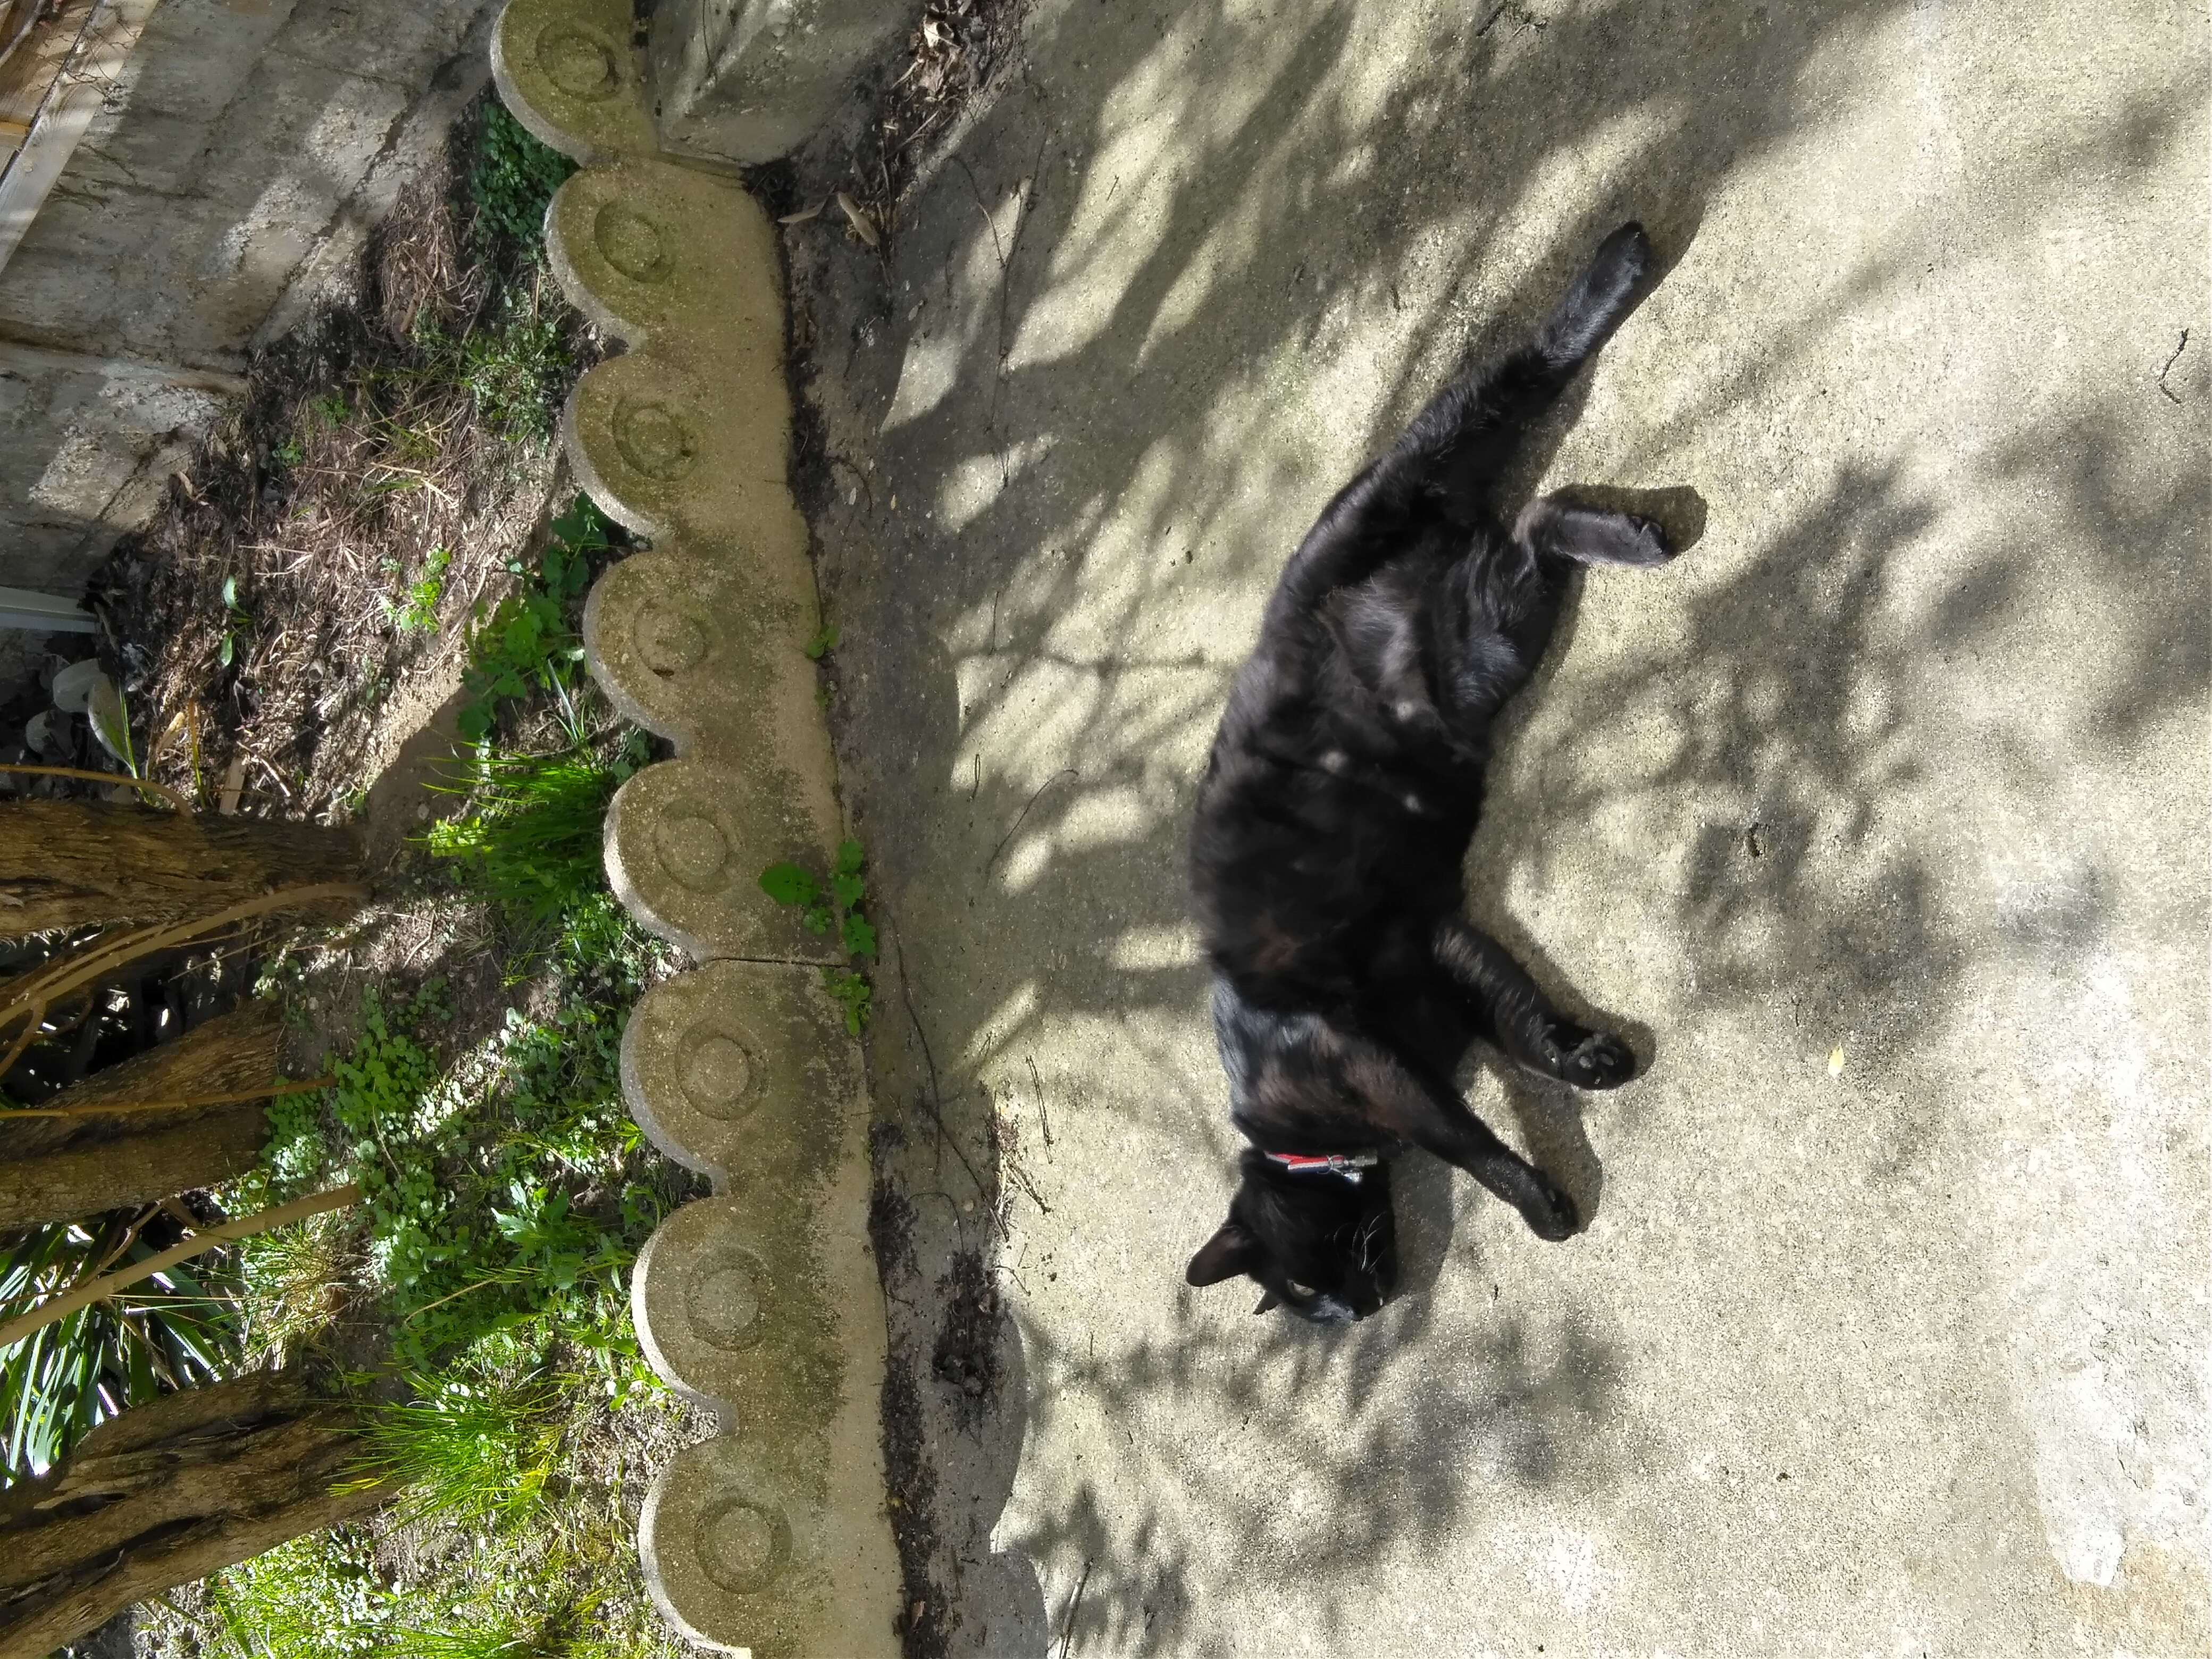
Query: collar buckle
[1347,1165]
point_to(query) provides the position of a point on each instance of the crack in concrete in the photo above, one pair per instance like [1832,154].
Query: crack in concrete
[2168,364]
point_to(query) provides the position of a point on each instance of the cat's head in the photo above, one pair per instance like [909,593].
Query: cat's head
[1322,1247]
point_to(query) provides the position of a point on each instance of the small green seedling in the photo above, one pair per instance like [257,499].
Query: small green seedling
[850,992]
[416,612]
[822,906]
[823,642]
[236,622]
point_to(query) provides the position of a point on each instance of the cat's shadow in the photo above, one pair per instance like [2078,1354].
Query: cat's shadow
[1421,1195]
[1552,1115]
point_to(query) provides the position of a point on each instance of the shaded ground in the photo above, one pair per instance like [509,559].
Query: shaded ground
[1877,821]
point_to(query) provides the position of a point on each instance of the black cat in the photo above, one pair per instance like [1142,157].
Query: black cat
[1335,814]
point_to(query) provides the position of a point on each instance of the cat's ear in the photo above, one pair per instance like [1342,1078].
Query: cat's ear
[1228,1253]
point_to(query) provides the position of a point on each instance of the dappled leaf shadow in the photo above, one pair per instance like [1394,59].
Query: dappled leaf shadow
[1174,280]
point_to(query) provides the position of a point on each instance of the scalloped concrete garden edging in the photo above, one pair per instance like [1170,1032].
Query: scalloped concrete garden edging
[763,1300]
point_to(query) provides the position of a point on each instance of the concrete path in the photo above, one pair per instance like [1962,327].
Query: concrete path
[1879,821]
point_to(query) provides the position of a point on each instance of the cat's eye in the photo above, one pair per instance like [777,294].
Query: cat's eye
[1303,1293]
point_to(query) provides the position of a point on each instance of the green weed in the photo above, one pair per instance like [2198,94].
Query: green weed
[514,369]
[850,992]
[417,608]
[513,178]
[526,643]
[527,1592]
[823,905]
[503,1194]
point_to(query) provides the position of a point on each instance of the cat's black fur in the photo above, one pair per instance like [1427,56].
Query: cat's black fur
[1335,814]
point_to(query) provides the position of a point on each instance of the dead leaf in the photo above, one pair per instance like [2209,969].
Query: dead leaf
[800,218]
[1836,1061]
[862,222]
[166,741]
[233,782]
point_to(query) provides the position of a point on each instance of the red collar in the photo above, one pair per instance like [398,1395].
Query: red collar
[1347,1165]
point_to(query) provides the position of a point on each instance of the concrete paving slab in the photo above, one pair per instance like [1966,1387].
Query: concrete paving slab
[1878,821]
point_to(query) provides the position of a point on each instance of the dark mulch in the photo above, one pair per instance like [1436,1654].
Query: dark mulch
[909,1472]
[320,557]
[966,1358]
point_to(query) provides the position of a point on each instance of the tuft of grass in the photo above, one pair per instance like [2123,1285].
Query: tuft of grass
[471,1456]
[291,1282]
[529,840]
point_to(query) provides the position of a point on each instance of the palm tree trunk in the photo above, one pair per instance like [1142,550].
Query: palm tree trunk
[57,1167]
[166,1493]
[80,863]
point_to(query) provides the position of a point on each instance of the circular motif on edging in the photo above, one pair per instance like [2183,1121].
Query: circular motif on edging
[721,1077]
[631,243]
[742,1545]
[668,641]
[693,851]
[578,62]
[654,440]
[724,1292]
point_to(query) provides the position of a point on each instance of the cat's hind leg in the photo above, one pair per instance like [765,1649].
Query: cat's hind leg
[1460,444]
[1551,528]
[1451,455]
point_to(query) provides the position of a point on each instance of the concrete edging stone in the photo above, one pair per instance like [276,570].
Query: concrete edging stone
[772,1538]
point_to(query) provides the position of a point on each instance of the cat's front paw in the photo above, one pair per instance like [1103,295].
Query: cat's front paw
[1589,1060]
[1550,1213]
